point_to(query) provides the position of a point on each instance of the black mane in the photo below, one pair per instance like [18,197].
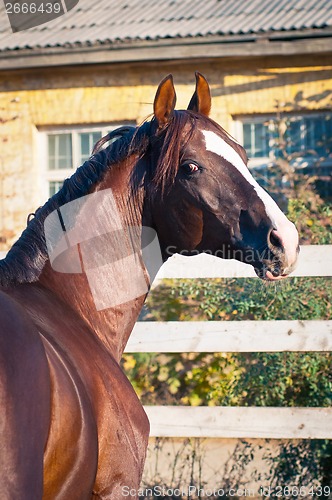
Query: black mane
[26,259]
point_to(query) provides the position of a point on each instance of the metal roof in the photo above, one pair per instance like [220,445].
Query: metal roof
[109,21]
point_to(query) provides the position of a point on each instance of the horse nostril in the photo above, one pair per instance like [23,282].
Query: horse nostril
[275,240]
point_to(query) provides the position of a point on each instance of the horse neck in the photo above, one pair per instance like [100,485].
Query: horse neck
[100,295]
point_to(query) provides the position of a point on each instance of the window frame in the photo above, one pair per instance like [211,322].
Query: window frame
[242,119]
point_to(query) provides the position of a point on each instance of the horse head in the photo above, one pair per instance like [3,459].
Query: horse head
[204,196]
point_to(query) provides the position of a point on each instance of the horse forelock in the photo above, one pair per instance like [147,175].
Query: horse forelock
[172,137]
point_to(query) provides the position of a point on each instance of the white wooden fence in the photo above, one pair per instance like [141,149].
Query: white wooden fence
[237,336]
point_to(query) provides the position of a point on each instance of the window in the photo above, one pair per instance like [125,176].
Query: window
[256,139]
[63,150]
[307,138]
[60,148]
[310,135]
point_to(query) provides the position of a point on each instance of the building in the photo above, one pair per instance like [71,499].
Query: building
[65,83]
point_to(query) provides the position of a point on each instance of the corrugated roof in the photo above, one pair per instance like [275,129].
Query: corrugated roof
[107,21]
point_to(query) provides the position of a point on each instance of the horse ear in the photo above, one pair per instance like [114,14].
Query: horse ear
[164,102]
[201,100]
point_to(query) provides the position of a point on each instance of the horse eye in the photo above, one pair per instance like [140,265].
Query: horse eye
[190,167]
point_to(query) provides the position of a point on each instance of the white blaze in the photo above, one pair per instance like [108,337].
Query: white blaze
[285,229]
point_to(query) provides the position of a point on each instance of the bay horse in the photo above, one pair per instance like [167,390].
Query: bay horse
[72,426]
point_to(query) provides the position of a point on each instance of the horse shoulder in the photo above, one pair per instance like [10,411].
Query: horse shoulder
[70,460]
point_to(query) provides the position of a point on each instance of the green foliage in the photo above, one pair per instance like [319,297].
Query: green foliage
[313,220]
[185,379]
[286,379]
[243,299]
[294,379]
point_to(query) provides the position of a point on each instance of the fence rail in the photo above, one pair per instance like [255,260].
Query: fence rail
[237,336]
[240,422]
[231,336]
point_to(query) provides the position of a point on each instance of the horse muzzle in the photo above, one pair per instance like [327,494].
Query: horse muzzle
[283,250]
